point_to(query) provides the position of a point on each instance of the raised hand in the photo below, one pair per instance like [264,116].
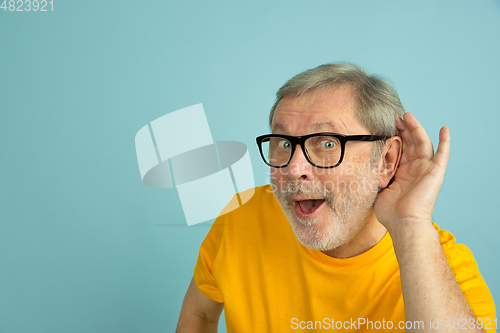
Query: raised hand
[410,199]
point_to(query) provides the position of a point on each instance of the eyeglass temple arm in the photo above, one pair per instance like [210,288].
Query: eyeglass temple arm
[366,137]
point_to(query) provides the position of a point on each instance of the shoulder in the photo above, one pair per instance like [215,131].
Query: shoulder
[467,275]
[250,204]
[248,213]
[458,255]
[450,247]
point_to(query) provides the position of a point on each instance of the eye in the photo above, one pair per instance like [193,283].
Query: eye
[327,144]
[285,144]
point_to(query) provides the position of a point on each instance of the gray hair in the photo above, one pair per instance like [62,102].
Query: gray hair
[376,100]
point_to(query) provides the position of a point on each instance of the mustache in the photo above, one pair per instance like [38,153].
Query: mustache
[306,190]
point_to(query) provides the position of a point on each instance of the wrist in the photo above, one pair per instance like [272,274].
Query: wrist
[412,236]
[409,227]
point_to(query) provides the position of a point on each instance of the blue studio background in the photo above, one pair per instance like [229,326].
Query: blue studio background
[86,247]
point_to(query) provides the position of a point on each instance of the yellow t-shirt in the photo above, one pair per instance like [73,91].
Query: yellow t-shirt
[252,262]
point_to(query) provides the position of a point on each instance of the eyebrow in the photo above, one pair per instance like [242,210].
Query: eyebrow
[322,126]
[328,125]
[279,127]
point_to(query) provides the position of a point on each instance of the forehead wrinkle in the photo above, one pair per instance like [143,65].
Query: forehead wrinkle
[343,125]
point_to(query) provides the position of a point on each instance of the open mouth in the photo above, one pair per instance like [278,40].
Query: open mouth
[305,208]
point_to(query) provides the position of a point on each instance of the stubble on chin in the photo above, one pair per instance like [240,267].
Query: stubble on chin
[346,213]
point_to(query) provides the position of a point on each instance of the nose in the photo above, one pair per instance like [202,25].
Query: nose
[299,167]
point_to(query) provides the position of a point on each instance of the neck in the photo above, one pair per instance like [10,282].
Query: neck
[367,237]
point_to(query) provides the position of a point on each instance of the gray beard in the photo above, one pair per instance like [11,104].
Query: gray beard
[347,216]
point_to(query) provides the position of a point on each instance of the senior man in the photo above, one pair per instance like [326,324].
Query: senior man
[343,236]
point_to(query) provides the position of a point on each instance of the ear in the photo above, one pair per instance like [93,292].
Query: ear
[389,160]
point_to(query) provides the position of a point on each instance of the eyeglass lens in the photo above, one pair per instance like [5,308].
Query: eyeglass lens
[322,150]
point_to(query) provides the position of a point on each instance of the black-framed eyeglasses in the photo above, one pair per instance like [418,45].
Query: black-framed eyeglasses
[323,150]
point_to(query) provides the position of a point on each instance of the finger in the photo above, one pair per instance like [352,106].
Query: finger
[443,150]
[408,146]
[421,141]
